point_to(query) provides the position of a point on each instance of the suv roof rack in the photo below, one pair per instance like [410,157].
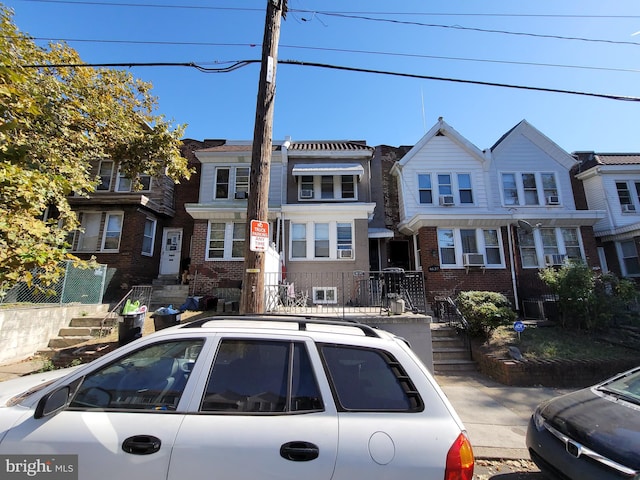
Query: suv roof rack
[302,322]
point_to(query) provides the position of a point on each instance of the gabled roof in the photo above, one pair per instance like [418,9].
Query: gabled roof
[441,128]
[527,130]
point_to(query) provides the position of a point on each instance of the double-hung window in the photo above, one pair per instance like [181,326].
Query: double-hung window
[629,196]
[464,188]
[226,241]
[549,246]
[454,243]
[628,253]
[105,172]
[101,232]
[311,240]
[327,187]
[529,188]
[425,191]
[148,237]
[125,184]
[231,182]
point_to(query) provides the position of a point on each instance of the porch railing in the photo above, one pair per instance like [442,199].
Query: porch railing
[386,291]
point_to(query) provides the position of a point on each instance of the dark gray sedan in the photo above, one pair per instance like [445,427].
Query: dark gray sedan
[592,433]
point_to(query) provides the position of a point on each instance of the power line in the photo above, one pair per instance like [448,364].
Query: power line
[426,14]
[475,29]
[356,16]
[244,63]
[340,50]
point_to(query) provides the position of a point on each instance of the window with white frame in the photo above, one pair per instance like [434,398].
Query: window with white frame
[221,187]
[327,187]
[148,236]
[630,262]
[549,246]
[444,184]
[454,243]
[226,240]
[425,191]
[125,184]
[231,182]
[298,240]
[529,188]
[627,192]
[464,188]
[344,240]
[105,172]
[101,232]
[348,185]
[321,241]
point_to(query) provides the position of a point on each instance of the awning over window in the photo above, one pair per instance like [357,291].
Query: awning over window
[380,233]
[328,169]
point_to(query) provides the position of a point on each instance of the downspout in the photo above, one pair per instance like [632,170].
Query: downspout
[513,267]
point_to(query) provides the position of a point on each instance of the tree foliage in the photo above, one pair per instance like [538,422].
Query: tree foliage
[587,299]
[54,120]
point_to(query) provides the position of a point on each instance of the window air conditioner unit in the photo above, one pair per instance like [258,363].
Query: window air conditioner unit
[446,200]
[346,253]
[554,259]
[553,200]
[241,195]
[473,259]
[306,193]
[628,208]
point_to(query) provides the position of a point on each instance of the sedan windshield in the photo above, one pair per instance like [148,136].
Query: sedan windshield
[626,387]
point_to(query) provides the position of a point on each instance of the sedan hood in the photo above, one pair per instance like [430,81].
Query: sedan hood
[601,422]
[16,386]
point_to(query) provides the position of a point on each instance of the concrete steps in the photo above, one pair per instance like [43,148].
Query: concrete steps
[80,330]
[450,355]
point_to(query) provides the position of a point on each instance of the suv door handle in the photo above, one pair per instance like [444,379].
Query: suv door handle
[141,444]
[299,451]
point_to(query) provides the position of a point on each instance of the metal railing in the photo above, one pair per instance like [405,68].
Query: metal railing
[337,293]
[77,285]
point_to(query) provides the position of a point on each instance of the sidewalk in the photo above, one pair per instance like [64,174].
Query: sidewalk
[495,415]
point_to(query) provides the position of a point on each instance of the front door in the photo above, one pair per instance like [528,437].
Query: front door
[171,248]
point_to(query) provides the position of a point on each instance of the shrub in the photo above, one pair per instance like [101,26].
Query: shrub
[485,311]
[588,300]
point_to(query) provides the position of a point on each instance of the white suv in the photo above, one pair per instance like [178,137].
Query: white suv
[239,398]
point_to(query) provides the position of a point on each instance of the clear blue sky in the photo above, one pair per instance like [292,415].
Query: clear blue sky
[314,103]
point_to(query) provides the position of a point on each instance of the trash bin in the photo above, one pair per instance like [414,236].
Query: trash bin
[167,320]
[130,327]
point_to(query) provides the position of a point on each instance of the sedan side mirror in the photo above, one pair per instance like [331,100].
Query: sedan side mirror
[53,402]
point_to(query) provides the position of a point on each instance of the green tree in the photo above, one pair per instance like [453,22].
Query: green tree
[586,299]
[54,119]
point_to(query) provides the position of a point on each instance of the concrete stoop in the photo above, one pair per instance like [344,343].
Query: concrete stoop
[80,330]
[450,355]
[165,295]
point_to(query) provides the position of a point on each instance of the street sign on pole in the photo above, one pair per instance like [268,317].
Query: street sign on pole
[259,239]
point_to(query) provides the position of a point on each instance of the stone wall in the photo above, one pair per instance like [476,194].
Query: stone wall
[24,331]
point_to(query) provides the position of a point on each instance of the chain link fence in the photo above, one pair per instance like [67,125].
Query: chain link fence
[77,285]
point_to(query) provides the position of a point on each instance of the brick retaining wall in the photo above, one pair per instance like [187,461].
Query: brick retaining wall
[548,373]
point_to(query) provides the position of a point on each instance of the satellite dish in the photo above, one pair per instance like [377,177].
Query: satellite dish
[526,226]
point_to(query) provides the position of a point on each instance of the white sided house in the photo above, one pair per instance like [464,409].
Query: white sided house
[490,219]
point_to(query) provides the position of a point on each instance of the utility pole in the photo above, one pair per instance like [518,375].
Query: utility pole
[252,299]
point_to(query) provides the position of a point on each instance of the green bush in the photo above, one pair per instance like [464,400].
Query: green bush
[485,311]
[589,300]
